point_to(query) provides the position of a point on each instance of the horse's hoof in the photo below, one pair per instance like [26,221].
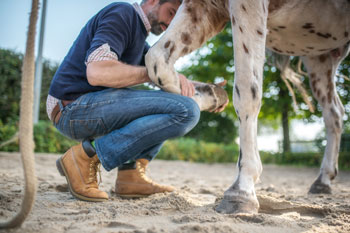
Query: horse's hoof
[237,204]
[320,188]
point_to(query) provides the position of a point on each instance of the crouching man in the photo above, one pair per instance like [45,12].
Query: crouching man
[89,101]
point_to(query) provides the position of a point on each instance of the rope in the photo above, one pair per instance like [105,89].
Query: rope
[26,125]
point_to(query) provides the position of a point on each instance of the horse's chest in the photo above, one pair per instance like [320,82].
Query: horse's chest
[308,27]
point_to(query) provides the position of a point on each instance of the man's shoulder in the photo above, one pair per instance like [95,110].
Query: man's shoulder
[122,8]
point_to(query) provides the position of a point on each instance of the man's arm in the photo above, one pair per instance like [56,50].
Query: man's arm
[113,73]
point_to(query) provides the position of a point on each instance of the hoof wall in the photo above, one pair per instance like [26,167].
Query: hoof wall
[238,205]
[319,188]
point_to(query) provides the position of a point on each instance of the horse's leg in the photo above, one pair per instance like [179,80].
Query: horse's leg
[321,71]
[193,24]
[248,19]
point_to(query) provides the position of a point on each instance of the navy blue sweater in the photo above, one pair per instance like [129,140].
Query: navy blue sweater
[119,25]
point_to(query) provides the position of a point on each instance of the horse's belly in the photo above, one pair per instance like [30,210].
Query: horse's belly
[309,27]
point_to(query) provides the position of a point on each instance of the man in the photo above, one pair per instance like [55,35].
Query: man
[119,127]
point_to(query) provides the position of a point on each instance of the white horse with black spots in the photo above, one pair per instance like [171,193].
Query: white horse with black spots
[315,30]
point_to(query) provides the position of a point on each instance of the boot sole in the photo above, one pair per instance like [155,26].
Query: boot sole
[64,173]
[133,195]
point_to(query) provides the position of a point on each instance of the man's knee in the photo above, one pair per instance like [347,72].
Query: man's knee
[192,115]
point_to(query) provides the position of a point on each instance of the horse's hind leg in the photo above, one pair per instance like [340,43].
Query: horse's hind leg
[321,71]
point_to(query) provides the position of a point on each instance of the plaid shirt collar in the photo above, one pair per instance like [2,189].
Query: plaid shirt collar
[143,16]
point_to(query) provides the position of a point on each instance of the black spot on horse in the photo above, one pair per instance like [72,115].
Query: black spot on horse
[186,38]
[322,58]
[277,50]
[155,69]
[245,49]
[324,35]
[233,21]
[240,159]
[166,45]
[160,82]
[205,89]
[253,90]
[307,26]
[185,50]
[237,91]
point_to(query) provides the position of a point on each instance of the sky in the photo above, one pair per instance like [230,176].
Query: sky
[64,20]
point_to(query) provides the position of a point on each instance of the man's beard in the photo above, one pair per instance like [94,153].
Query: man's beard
[155,24]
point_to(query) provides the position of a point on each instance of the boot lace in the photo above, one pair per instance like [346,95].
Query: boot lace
[142,171]
[95,167]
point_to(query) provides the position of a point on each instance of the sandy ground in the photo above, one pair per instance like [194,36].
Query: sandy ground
[285,204]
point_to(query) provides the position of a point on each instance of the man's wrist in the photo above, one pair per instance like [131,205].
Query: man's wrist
[145,76]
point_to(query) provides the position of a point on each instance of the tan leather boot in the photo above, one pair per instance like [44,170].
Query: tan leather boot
[81,173]
[133,182]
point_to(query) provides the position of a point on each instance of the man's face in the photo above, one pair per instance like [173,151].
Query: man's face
[160,16]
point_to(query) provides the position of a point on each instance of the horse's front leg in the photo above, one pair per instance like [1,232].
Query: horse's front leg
[192,25]
[248,19]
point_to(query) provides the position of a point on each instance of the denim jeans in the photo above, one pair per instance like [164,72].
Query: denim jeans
[127,124]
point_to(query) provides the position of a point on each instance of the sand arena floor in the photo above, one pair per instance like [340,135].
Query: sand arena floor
[282,192]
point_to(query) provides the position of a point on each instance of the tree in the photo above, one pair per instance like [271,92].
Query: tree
[10,78]
[215,61]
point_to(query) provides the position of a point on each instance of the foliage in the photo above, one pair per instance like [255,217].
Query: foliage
[7,131]
[189,149]
[310,159]
[10,85]
[214,127]
[215,61]
[46,138]
[10,88]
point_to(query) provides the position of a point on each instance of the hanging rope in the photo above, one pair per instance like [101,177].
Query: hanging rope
[26,124]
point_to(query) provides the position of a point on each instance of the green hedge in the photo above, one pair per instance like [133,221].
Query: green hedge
[49,140]
[309,159]
[189,149]
[46,137]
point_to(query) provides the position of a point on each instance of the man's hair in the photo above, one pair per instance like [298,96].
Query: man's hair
[162,1]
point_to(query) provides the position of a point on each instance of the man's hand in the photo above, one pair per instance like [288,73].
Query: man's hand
[222,107]
[187,87]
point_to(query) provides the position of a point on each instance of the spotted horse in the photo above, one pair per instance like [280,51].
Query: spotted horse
[315,30]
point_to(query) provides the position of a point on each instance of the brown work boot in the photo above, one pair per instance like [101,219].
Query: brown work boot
[81,173]
[133,182]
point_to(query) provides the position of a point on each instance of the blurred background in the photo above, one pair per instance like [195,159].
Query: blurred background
[285,136]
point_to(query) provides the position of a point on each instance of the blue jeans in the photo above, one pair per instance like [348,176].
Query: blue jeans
[127,124]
